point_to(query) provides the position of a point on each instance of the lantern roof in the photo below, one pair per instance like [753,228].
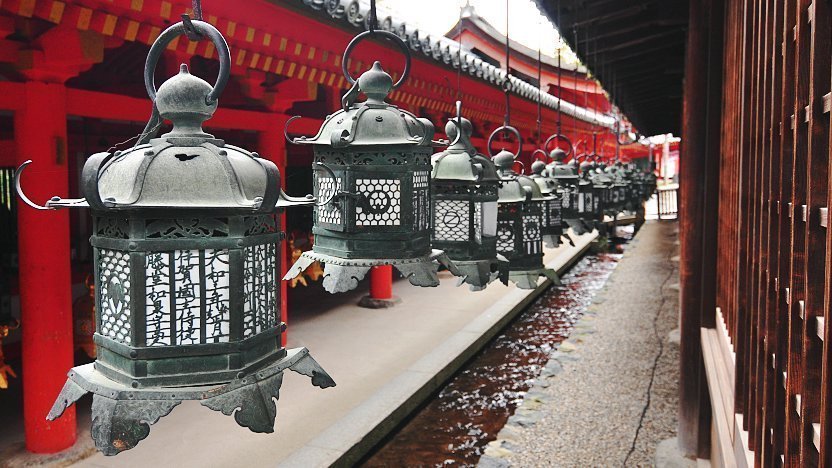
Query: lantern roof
[185,168]
[372,122]
[461,161]
[561,171]
[447,51]
[530,185]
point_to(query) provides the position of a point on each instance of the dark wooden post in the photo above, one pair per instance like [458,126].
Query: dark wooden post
[698,213]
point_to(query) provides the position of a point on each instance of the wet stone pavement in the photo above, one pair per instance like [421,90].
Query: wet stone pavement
[608,394]
[455,427]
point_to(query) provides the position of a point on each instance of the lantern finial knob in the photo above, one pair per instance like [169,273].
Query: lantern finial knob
[184,100]
[504,160]
[376,84]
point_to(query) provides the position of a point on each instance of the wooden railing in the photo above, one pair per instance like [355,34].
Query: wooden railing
[667,199]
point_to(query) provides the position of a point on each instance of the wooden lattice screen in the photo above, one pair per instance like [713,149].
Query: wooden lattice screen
[768,360]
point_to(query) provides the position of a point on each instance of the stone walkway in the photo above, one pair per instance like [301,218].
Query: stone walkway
[608,396]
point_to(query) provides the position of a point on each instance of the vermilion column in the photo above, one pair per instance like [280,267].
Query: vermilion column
[381,289]
[381,282]
[45,295]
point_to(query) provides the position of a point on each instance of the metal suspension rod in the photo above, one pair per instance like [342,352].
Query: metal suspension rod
[506,84]
[560,69]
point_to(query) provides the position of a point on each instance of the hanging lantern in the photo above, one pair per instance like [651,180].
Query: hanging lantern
[621,185]
[186,248]
[603,187]
[519,219]
[567,179]
[593,209]
[464,193]
[552,227]
[379,157]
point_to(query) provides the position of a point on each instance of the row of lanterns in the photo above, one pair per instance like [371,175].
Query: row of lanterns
[186,239]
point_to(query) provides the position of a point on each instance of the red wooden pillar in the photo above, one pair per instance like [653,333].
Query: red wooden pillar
[45,295]
[381,282]
[272,146]
[381,289]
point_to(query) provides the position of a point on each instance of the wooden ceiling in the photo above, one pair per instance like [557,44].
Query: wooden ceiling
[636,49]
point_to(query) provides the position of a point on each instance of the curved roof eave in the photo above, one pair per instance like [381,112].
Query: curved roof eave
[444,50]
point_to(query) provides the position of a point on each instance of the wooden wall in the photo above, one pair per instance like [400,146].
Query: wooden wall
[767,356]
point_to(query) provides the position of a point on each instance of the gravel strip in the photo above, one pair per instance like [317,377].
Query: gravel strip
[589,407]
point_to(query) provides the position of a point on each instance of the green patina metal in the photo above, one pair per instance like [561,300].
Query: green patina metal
[464,187]
[519,221]
[378,157]
[552,227]
[187,257]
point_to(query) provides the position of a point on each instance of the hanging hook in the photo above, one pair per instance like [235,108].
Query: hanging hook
[190,30]
[53,204]
[373,19]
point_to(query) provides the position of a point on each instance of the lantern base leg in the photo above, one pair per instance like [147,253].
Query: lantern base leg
[527,279]
[122,415]
[579,226]
[551,241]
[343,274]
[479,274]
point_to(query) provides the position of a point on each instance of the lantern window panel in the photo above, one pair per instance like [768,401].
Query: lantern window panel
[421,200]
[331,212]
[553,212]
[384,198]
[489,218]
[114,295]
[566,199]
[193,307]
[505,236]
[451,222]
[531,234]
[259,289]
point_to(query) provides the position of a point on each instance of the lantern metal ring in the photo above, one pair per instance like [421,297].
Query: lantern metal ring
[172,33]
[539,151]
[506,129]
[563,138]
[377,32]
[457,122]
[522,166]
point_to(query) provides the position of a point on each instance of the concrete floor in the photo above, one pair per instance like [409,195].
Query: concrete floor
[608,396]
[366,351]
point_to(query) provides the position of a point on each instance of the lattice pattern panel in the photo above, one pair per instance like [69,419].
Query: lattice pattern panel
[188,297]
[584,202]
[384,197]
[421,200]
[259,289]
[478,222]
[114,295]
[553,212]
[531,234]
[505,237]
[451,220]
[566,200]
[329,213]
